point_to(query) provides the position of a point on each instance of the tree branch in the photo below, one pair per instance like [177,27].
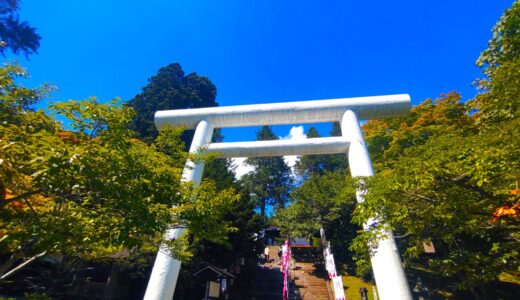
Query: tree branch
[30,260]
[19,197]
[461,177]
[33,211]
[430,200]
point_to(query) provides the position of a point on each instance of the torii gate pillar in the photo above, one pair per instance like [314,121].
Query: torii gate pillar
[386,263]
[166,269]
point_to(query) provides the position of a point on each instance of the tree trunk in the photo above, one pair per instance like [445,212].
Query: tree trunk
[111,288]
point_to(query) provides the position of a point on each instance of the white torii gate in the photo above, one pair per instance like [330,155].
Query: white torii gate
[386,263]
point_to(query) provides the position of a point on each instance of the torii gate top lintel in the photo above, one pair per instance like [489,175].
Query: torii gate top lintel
[313,111]
[386,263]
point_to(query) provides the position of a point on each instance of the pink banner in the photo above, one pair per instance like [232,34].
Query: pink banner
[286,259]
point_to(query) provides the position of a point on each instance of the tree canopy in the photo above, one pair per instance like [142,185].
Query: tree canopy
[439,179]
[271,180]
[16,35]
[446,174]
[93,190]
[318,164]
[499,101]
[170,88]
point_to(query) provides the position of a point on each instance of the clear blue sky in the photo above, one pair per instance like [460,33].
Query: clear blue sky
[262,51]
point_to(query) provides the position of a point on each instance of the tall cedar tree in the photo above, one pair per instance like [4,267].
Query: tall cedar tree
[271,181]
[319,164]
[170,88]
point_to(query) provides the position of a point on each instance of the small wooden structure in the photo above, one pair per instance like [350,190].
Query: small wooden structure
[271,233]
[218,281]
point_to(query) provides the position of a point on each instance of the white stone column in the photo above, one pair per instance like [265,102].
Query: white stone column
[165,272]
[386,263]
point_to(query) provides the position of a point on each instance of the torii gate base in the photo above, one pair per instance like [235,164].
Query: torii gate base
[386,263]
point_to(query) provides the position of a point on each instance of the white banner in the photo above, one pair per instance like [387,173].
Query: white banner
[326,250]
[330,266]
[339,293]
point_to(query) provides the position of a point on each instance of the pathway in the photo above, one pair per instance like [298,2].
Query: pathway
[306,284]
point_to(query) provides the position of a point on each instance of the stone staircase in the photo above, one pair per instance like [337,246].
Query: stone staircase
[268,282]
[306,284]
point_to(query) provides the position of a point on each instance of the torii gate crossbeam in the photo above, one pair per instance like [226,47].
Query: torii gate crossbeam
[386,263]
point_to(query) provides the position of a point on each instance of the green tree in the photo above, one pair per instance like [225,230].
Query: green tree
[320,202]
[504,46]
[438,178]
[16,35]
[499,101]
[445,172]
[271,180]
[93,191]
[240,252]
[310,164]
[170,88]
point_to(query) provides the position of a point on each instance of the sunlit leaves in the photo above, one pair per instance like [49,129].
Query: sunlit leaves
[439,178]
[95,191]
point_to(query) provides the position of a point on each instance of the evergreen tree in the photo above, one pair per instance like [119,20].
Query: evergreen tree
[271,181]
[16,35]
[310,163]
[319,164]
[171,89]
[321,202]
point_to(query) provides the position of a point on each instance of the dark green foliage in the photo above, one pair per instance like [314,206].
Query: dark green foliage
[323,201]
[336,162]
[220,170]
[16,35]
[241,243]
[271,181]
[336,129]
[311,164]
[170,89]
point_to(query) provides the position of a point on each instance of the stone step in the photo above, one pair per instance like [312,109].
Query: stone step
[307,285]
